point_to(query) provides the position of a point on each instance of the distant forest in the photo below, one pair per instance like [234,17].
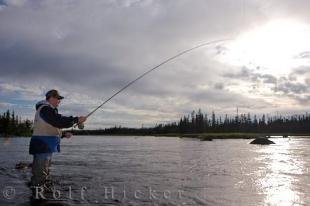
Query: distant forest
[12,125]
[196,122]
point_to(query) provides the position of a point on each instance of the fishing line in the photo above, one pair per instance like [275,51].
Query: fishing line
[81,126]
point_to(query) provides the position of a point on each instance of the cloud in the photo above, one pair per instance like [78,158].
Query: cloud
[90,49]
[301,71]
[14,2]
[288,87]
[5,105]
[2,2]
[219,86]
[250,74]
[294,85]
[304,55]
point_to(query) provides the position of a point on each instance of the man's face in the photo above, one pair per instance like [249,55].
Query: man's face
[54,101]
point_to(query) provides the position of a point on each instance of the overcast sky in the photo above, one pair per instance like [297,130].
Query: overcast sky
[90,49]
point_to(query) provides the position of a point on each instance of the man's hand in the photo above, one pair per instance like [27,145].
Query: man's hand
[82,119]
[68,135]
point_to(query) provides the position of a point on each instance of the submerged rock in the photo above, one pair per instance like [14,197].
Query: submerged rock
[206,139]
[23,165]
[262,141]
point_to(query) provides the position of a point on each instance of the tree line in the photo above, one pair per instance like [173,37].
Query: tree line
[198,122]
[12,125]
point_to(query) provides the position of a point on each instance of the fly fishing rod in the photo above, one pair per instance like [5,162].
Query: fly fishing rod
[81,126]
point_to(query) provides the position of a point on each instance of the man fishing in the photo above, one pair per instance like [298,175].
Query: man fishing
[47,134]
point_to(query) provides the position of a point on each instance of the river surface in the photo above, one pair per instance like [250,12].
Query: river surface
[94,170]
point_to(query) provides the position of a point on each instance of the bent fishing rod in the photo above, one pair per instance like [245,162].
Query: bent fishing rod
[81,126]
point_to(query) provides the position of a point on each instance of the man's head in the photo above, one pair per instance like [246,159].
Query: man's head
[53,97]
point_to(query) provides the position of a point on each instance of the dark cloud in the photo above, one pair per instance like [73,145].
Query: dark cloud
[268,79]
[301,71]
[241,74]
[288,87]
[249,74]
[282,86]
[219,86]
[3,2]
[25,62]
[303,100]
[220,49]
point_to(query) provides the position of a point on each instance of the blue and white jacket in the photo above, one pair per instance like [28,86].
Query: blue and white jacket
[47,129]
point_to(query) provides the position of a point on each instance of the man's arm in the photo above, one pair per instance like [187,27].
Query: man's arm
[50,116]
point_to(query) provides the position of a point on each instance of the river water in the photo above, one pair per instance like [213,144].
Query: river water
[94,170]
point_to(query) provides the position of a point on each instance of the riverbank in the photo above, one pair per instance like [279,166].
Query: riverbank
[233,135]
[201,136]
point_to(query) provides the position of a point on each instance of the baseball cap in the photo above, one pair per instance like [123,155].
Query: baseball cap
[53,93]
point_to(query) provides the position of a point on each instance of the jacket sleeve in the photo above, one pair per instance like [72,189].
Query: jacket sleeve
[52,117]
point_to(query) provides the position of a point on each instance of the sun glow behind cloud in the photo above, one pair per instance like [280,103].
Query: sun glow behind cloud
[273,48]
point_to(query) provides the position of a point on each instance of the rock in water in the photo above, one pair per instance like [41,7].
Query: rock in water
[23,165]
[206,139]
[262,141]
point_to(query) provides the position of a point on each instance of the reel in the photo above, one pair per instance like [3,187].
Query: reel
[81,126]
